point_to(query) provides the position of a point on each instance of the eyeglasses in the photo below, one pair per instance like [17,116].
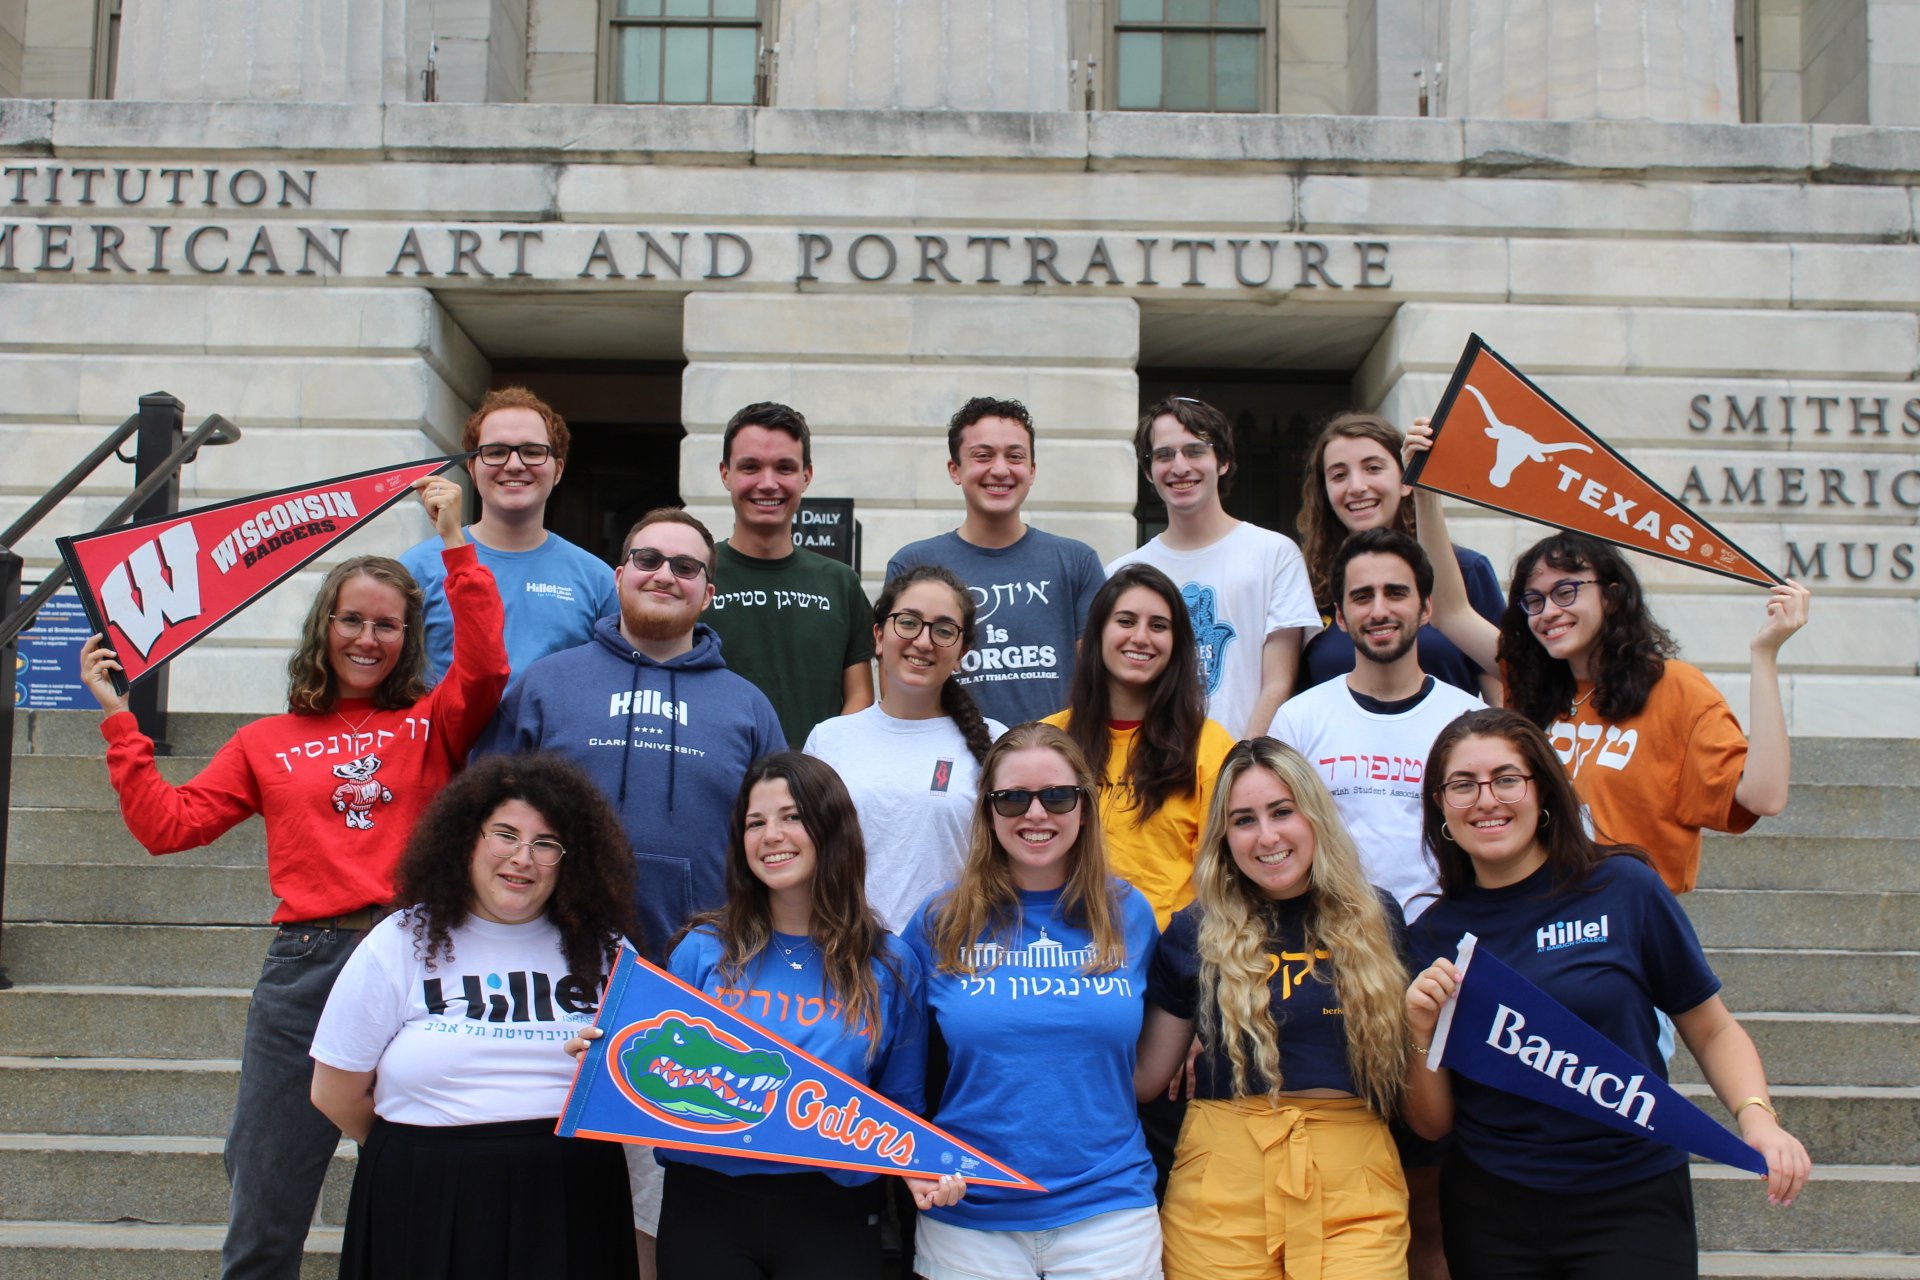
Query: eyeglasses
[1562,593]
[350,626]
[1192,452]
[647,560]
[1015,801]
[1507,788]
[531,455]
[908,625]
[504,844]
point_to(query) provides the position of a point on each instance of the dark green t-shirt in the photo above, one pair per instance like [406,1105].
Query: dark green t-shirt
[792,626]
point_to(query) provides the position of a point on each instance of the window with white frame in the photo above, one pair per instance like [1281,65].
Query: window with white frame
[684,51]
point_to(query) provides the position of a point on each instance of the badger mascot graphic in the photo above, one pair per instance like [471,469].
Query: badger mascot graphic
[356,796]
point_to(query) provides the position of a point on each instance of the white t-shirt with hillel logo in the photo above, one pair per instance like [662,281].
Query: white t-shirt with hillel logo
[1239,590]
[914,783]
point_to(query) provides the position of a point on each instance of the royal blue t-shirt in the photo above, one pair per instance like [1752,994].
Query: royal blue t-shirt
[797,1006]
[1330,652]
[1311,1028]
[1645,957]
[1041,1055]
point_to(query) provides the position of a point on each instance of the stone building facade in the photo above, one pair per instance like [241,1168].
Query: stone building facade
[1693,222]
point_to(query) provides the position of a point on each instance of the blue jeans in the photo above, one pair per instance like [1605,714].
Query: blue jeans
[279,1145]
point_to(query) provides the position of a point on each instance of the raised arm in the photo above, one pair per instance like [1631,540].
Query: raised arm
[1763,785]
[1453,611]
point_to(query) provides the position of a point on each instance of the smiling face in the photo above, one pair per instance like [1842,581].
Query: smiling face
[919,664]
[512,890]
[1271,840]
[996,467]
[1184,484]
[1501,837]
[1381,607]
[361,664]
[1038,844]
[514,488]
[779,851]
[1569,632]
[1137,641]
[765,475]
[1363,482]
[659,606]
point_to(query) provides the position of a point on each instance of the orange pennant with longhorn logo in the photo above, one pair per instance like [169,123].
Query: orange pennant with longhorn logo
[1503,443]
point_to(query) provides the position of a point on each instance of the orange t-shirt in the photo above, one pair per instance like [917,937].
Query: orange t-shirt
[1657,779]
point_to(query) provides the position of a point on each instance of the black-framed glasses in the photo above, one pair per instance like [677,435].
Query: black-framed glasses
[503,844]
[1562,593]
[350,626]
[1464,793]
[648,560]
[1014,801]
[945,635]
[1192,451]
[531,455]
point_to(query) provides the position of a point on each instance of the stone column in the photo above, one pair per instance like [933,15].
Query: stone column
[878,377]
[956,55]
[251,51]
[1670,60]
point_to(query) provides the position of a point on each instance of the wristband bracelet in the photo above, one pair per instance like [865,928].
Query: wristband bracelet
[1759,1102]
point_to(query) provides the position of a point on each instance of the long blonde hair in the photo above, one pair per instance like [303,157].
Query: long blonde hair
[1344,917]
[985,902]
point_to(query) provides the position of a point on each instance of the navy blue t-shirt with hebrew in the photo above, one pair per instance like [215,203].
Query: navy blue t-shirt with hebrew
[1612,952]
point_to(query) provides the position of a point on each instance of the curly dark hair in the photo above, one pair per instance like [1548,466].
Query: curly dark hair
[1166,747]
[592,902]
[954,698]
[312,686]
[985,407]
[1629,656]
[1201,420]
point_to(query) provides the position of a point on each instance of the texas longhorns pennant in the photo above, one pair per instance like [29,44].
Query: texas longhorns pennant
[785,1105]
[155,588]
[1503,443]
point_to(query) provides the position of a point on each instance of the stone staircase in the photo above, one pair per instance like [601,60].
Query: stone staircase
[117,1044]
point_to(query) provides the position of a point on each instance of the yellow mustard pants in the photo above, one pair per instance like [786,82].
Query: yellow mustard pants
[1308,1189]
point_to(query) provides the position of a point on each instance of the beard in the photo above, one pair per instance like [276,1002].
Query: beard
[1385,657]
[658,623]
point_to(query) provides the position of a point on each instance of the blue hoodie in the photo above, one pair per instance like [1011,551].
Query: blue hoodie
[667,743]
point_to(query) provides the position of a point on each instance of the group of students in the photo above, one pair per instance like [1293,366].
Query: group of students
[1035,935]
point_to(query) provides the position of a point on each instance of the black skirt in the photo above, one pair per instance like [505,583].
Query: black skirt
[487,1202]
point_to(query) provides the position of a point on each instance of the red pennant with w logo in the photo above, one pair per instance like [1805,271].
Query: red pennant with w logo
[1503,443]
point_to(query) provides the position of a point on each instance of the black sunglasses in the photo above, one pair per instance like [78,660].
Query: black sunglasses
[648,560]
[1015,801]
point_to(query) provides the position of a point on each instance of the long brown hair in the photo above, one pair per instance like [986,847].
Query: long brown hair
[985,902]
[1166,746]
[312,688]
[1320,526]
[844,929]
[954,698]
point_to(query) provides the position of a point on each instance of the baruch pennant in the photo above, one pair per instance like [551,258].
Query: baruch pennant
[154,588]
[1503,443]
[676,1068]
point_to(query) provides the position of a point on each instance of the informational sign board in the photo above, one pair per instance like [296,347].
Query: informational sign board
[827,526]
[47,668]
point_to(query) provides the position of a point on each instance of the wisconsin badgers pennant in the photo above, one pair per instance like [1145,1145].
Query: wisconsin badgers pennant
[1503,443]
[154,588]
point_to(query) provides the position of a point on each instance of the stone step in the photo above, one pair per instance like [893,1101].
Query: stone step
[134,954]
[1874,1208]
[1731,1265]
[1791,920]
[152,892]
[1834,1048]
[1857,761]
[136,1251]
[1835,808]
[1819,981]
[118,1096]
[1839,1124]
[80,782]
[1758,860]
[56,836]
[123,1021]
[77,733]
[89,1178]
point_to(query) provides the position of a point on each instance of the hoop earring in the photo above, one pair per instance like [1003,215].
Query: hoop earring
[1545,817]
[1446,833]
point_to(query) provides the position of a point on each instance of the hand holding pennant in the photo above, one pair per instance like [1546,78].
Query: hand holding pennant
[1501,442]
[675,1068]
[1501,1030]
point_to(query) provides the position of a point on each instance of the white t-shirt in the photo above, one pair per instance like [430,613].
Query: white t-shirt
[477,1039]
[1239,591]
[914,783]
[1375,764]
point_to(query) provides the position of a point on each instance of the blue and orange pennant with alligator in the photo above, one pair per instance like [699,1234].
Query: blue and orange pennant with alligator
[676,1068]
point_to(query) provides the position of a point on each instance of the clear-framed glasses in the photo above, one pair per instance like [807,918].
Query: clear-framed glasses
[349,626]
[503,844]
[1562,593]
[648,560]
[1014,801]
[531,455]
[908,625]
[1507,788]
[1192,451]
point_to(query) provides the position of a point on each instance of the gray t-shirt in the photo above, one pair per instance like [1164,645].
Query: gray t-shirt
[1030,603]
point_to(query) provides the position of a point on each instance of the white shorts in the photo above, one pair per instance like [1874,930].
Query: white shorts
[1121,1245]
[645,1178]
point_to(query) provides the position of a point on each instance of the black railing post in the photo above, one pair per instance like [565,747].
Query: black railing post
[162,428]
[10,567]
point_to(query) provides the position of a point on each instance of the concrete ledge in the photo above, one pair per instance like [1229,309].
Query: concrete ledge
[1863,153]
[1141,139]
[551,131]
[1565,148]
[946,139]
[286,130]
[26,126]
